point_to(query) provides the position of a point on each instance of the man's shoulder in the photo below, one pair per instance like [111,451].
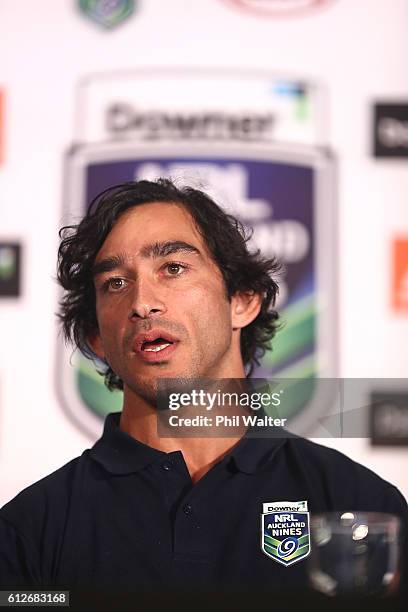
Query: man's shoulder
[328,458]
[325,459]
[343,475]
[47,494]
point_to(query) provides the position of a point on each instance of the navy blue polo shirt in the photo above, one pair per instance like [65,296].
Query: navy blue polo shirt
[127,515]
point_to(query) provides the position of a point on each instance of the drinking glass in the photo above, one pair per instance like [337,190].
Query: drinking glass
[354,553]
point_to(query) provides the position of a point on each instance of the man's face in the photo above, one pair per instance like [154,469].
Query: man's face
[161,302]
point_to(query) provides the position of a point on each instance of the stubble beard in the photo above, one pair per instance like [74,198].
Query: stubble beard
[149,388]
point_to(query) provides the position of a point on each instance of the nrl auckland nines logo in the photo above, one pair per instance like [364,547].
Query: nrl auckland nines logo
[286,531]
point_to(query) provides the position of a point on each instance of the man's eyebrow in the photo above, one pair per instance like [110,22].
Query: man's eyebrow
[108,264]
[158,249]
[162,249]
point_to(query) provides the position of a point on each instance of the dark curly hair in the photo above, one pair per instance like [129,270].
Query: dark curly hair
[226,240]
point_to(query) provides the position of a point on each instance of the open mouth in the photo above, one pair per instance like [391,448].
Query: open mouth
[154,346]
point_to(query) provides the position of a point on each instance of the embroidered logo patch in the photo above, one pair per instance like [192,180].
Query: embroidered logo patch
[285,528]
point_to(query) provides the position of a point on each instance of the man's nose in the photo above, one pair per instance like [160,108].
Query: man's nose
[146,301]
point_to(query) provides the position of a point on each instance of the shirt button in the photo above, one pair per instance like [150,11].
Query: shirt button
[167,466]
[187,509]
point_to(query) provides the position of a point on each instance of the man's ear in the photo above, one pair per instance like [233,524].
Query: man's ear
[94,342]
[245,307]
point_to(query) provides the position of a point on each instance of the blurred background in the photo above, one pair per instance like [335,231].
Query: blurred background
[293,114]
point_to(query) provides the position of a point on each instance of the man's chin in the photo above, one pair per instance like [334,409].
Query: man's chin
[151,389]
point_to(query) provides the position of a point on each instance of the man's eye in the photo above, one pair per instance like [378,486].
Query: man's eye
[175,269]
[114,284]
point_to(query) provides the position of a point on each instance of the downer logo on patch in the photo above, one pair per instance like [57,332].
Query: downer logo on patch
[285,528]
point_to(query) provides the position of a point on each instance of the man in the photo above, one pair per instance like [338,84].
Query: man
[160,285]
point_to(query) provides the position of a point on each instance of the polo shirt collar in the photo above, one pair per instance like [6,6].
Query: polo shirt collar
[255,453]
[120,453]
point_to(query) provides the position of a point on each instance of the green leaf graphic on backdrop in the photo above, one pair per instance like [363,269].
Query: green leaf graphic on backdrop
[285,361]
[93,391]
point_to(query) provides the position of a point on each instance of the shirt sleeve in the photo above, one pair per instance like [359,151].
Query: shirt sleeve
[19,565]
